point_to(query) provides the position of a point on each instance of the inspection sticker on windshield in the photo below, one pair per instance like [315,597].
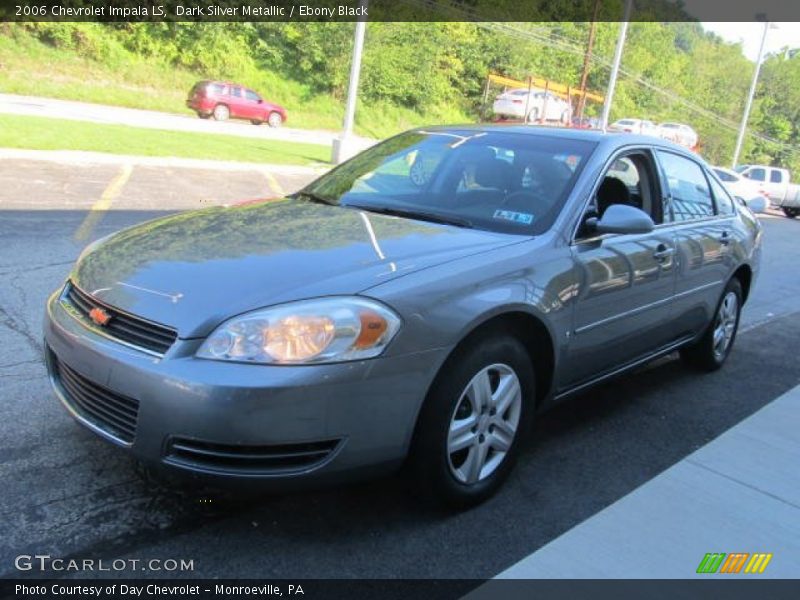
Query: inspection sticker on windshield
[516,217]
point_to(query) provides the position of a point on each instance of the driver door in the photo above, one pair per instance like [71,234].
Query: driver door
[624,306]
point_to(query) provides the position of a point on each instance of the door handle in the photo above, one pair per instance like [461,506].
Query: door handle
[724,238]
[663,252]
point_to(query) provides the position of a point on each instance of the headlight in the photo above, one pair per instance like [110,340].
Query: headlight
[310,331]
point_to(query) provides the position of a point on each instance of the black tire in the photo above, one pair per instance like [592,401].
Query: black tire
[274,119]
[704,354]
[791,212]
[256,122]
[533,115]
[430,464]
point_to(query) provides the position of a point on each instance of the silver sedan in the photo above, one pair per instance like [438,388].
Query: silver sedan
[419,304]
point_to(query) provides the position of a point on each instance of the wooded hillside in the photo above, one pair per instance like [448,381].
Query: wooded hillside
[416,73]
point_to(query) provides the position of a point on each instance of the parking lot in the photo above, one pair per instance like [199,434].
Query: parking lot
[68,494]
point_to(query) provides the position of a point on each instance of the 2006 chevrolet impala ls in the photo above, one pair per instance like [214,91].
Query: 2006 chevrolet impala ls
[419,303]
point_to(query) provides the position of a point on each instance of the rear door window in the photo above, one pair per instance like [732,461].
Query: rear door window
[688,188]
[721,197]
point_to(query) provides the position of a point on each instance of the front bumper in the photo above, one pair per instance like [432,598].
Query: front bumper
[322,422]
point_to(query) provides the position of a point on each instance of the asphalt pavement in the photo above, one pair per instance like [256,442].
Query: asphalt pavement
[68,494]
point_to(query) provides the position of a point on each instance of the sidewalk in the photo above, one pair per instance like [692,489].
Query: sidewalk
[738,494]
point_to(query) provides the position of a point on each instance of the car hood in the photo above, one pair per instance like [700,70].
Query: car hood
[193,270]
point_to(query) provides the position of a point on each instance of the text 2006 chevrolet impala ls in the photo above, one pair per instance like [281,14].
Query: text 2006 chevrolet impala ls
[421,302]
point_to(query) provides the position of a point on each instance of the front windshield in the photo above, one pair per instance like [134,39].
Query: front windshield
[493,180]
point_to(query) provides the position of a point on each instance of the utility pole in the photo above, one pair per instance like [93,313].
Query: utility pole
[343,147]
[586,58]
[743,127]
[612,81]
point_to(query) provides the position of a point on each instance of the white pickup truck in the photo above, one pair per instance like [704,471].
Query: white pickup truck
[782,193]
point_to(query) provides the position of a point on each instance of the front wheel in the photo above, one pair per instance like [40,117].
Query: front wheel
[274,119]
[470,428]
[791,212]
[710,352]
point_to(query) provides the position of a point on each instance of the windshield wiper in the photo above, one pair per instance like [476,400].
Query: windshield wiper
[312,197]
[414,214]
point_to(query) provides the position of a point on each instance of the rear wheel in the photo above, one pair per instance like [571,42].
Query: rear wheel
[709,353]
[274,119]
[791,212]
[221,112]
[533,115]
[470,428]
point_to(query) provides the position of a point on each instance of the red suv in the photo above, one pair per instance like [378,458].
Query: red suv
[229,100]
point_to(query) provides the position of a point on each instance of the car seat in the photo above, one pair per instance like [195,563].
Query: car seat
[612,191]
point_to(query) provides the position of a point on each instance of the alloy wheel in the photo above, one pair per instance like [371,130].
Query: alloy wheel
[725,324]
[484,423]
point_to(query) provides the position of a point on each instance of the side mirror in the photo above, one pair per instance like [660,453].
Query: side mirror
[621,218]
[260,101]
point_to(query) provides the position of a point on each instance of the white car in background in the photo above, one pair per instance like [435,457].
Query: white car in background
[678,133]
[540,105]
[640,126]
[753,193]
[777,184]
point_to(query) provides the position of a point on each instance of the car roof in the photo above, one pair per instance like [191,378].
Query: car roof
[610,139]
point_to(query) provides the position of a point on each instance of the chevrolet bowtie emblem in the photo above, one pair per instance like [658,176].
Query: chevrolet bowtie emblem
[99,316]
